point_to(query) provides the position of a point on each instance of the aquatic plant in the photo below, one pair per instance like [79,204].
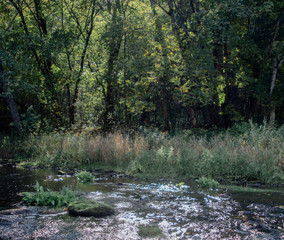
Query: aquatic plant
[180,185]
[85,177]
[149,231]
[49,198]
[207,182]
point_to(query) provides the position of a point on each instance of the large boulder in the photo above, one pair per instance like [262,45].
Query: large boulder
[89,208]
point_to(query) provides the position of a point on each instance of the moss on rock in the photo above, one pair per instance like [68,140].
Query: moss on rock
[89,208]
[149,231]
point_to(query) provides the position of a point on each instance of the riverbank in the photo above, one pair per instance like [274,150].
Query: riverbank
[245,153]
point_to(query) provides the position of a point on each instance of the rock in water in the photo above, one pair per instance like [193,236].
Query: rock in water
[89,208]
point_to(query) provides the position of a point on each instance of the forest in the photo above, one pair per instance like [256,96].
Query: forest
[116,64]
[139,119]
[187,88]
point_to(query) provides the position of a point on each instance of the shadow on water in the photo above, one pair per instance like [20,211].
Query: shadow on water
[181,212]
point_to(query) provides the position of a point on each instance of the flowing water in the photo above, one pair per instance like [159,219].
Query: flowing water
[186,212]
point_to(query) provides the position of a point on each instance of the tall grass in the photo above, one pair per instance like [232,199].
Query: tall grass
[247,152]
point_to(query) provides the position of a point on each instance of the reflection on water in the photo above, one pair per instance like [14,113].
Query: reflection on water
[14,180]
[181,212]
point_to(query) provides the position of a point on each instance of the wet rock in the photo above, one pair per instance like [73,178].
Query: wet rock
[4,221]
[16,211]
[263,228]
[60,172]
[143,198]
[196,237]
[89,208]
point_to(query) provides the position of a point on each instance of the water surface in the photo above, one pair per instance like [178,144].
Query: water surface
[189,212]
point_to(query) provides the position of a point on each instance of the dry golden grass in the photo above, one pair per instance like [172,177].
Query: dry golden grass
[255,154]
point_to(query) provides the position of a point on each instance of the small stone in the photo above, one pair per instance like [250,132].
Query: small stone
[263,228]
[196,237]
[60,172]
[90,208]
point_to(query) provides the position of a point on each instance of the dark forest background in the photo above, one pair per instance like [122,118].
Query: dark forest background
[167,64]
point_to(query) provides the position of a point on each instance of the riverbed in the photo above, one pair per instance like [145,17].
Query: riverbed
[181,211]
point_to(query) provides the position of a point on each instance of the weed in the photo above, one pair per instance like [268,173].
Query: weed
[207,182]
[85,177]
[180,185]
[49,198]
[247,152]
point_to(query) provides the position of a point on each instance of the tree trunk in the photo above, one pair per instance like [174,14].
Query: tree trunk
[163,80]
[272,114]
[166,123]
[9,100]
[207,123]
[111,77]
[72,106]
[276,66]
[192,117]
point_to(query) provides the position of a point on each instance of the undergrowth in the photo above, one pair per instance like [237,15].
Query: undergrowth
[246,152]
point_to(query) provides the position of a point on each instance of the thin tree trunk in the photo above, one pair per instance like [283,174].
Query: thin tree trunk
[72,106]
[163,80]
[111,77]
[166,124]
[193,121]
[10,101]
[272,114]
[276,66]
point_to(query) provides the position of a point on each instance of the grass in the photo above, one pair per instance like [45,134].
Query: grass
[207,182]
[249,189]
[246,152]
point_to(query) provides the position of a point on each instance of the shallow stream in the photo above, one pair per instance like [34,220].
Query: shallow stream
[187,212]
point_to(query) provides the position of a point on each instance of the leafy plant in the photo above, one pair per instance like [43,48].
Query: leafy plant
[49,198]
[85,177]
[207,182]
[180,185]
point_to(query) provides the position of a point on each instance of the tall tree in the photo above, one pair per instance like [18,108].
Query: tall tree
[113,38]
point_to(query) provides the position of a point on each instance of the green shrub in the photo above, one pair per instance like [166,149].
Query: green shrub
[207,182]
[49,198]
[85,177]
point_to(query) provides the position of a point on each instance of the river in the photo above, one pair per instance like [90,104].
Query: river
[186,212]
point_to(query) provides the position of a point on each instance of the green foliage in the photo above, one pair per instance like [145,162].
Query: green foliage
[207,182]
[149,231]
[30,121]
[140,65]
[180,185]
[49,198]
[85,177]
